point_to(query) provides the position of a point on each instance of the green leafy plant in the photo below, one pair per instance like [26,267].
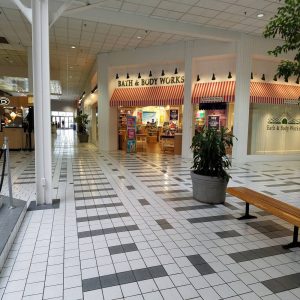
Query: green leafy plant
[286,25]
[82,121]
[209,152]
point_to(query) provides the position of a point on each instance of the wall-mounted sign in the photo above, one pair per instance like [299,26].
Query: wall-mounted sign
[213,122]
[291,101]
[4,101]
[173,114]
[212,99]
[165,80]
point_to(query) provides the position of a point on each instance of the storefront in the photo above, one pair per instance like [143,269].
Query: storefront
[17,122]
[157,111]
[213,104]
[274,119]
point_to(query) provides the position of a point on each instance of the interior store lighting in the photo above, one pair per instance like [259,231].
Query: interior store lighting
[275,78]
[263,77]
[117,76]
[139,75]
[213,77]
[150,74]
[176,71]
[162,72]
[127,76]
[198,77]
[229,75]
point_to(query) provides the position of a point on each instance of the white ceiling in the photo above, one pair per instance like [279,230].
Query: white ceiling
[112,25]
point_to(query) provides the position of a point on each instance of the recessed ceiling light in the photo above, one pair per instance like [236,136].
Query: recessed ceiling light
[260,15]
[138,37]
[73,47]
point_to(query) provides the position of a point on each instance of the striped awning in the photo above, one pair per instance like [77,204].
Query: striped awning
[144,96]
[260,92]
[213,92]
[274,93]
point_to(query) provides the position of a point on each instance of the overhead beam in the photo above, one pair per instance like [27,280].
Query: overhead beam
[95,13]
[24,9]
[60,11]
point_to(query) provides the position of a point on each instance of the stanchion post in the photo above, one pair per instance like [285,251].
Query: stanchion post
[6,148]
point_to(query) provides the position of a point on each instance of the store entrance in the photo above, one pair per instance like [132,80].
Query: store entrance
[157,129]
[63,120]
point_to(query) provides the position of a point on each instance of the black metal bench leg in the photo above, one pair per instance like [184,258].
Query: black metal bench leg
[247,216]
[295,242]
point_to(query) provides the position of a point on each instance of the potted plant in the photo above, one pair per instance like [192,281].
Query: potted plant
[209,176]
[82,120]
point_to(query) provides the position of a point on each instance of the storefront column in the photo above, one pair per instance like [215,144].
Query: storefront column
[107,116]
[29,69]
[242,98]
[41,92]
[187,122]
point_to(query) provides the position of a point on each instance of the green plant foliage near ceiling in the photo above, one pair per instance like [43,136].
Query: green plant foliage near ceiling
[286,25]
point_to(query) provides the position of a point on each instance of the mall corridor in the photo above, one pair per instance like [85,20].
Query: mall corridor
[126,227]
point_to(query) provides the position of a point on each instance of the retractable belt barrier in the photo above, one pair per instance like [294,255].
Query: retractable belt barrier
[6,163]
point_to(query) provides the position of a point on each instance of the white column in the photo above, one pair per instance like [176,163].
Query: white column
[187,122]
[107,116]
[242,98]
[41,92]
[29,69]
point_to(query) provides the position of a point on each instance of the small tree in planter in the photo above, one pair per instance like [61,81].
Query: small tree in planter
[209,176]
[82,121]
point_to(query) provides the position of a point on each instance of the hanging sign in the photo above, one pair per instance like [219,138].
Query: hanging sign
[4,101]
[214,122]
[212,99]
[173,114]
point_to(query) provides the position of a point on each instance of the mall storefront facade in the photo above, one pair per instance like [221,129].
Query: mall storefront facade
[216,84]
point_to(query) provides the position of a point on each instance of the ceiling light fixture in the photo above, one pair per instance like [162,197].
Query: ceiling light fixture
[162,72]
[73,47]
[150,74]
[213,77]
[263,77]
[198,77]
[139,37]
[260,15]
[229,75]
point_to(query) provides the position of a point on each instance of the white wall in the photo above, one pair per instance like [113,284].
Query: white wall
[60,105]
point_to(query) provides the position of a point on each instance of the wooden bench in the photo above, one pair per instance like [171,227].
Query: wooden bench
[273,206]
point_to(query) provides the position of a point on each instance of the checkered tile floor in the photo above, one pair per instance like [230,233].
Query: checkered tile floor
[127,227]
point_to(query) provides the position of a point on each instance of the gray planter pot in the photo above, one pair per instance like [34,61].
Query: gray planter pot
[83,138]
[209,189]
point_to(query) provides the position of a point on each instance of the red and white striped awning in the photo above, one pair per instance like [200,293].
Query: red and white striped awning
[144,96]
[273,93]
[260,92]
[213,92]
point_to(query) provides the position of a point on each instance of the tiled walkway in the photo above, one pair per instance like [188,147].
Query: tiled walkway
[127,227]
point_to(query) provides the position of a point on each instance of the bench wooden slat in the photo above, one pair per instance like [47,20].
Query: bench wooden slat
[276,207]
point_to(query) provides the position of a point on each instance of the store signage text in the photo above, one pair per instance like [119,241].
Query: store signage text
[4,101]
[213,99]
[286,128]
[151,81]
